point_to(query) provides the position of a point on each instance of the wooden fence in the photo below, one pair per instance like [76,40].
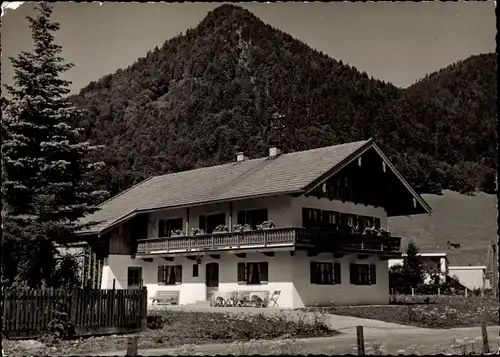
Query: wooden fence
[27,312]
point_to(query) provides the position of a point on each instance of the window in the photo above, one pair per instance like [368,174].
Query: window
[210,222]
[252,273]
[377,223]
[363,274]
[195,270]
[134,277]
[166,226]
[311,218]
[252,217]
[330,219]
[170,274]
[325,273]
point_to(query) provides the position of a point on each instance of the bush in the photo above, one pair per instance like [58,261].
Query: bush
[231,326]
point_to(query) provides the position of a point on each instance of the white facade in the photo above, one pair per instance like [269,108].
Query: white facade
[288,274]
[283,211]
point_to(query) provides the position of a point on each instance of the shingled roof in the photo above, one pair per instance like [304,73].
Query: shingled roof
[283,174]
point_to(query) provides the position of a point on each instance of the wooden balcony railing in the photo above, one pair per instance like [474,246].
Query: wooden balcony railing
[278,237]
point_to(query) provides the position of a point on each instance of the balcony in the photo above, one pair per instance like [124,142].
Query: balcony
[309,239]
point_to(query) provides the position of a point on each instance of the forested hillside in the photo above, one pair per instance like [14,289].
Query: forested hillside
[211,92]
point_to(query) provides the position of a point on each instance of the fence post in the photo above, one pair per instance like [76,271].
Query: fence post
[132,346]
[360,340]
[412,292]
[484,332]
[439,291]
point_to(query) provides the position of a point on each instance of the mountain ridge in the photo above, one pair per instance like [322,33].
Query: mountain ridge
[208,93]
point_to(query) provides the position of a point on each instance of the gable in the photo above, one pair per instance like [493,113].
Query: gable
[369,178]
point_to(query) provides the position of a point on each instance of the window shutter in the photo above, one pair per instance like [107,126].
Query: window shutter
[373,274]
[161,272]
[354,274]
[178,274]
[305,217]
[314,272]
[338,274]
[263,273]
[241,217]
[241,274]
[161,228]
[202,222]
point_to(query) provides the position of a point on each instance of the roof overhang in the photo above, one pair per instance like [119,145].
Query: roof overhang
[351,158]
[136,212]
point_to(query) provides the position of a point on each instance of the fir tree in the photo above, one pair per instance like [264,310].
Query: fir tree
[46,167]
[413,267]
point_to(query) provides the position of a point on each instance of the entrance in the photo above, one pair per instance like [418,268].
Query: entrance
[212,279]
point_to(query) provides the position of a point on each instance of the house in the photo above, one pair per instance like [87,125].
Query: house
[435,262]
[309,224]
[471,277]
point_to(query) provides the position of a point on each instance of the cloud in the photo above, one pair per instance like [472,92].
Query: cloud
[12,5]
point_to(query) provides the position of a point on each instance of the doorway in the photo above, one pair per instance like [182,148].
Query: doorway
[212,279]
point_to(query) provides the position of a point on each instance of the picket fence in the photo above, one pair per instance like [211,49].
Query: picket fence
[27,312]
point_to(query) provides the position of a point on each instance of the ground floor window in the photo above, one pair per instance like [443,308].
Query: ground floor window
[363,274]
[134,277]
[325,273]
[253,273]
[195,270]
[170,274]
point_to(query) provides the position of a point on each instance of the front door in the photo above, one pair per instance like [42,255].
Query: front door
[212,279]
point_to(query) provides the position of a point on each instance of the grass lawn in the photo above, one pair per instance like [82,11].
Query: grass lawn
[170,329]
[438,312]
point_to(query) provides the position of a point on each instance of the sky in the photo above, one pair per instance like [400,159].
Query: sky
[398,42]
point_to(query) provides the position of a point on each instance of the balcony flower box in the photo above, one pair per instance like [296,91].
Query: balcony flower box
[266,225]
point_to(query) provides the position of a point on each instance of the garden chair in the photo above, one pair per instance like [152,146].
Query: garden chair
[233,299]
[244,299]
[273,300]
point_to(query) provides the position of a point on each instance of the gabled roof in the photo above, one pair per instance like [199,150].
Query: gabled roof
[285,174]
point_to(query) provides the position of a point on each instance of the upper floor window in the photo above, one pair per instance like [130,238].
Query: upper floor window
[167,226]
[311,218]
[209,222]
[252,217]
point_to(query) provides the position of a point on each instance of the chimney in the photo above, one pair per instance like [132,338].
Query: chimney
[274,151]
[240,156]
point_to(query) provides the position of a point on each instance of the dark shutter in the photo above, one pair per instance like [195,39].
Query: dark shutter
[241,217]
[373,274]
[202,222]
[241,273]
[305,217]
[338,274]
[178,274]
[263,270]
[354,273]
[313,272]
[161,228]
[195,270]
[161,274]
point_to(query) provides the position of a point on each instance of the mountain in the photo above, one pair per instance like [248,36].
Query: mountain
[470,221]
[207,94]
